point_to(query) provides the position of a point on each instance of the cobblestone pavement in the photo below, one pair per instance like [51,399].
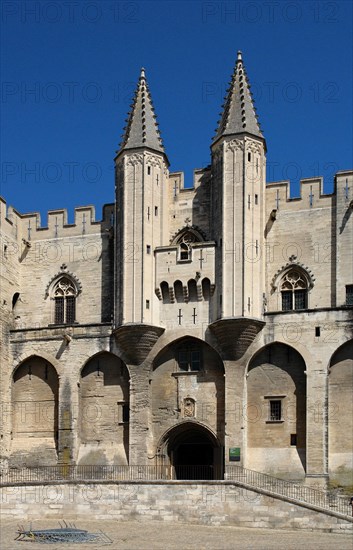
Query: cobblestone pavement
[155,536]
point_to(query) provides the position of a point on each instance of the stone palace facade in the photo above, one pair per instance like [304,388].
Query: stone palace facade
[207,326]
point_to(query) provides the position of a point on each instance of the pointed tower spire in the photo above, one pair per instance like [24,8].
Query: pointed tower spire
[142,127]
[239,114]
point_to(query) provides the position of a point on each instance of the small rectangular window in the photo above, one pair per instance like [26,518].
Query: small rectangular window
[249,157]
[147,304]
[317,332]
[256,199]
[156,210]
[349,295]
[149,170]
[275,410]
[293,439]
[148,249]
[189,359]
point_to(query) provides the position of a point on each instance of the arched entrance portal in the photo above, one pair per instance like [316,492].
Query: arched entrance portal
[193,451]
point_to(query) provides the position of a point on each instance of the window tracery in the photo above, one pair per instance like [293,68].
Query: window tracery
[64,295]
[294,290]
[185,242]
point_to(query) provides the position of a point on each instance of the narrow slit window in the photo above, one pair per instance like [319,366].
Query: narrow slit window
[70,309]
[59,310]
[125,413]
[287,303]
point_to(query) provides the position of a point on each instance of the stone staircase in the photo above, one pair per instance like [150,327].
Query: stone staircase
[323,501]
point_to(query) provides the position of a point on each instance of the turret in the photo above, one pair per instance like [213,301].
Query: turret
[141,211]
[238,190]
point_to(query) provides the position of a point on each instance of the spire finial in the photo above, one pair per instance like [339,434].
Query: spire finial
[142,129]
[238,115]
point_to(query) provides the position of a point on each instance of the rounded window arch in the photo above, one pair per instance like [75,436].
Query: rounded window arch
[294,287]
[165,292]
[64,294]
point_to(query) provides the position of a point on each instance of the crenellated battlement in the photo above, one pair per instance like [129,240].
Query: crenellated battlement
[28,226]
[278,196]
[177,182]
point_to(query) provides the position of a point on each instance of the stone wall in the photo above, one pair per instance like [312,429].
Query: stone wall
[207,503]
[277,374]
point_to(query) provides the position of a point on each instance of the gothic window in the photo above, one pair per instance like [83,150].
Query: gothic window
[189,358]
[294,290]
[64,294]
[349,295]
[184,252]
[185,241]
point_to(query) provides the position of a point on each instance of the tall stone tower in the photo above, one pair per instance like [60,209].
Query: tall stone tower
[238,189]
[141,211]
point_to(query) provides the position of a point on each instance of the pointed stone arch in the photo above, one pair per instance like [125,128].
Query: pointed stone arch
[35,395]
[304,270]
[187,383]
[63,273]
[193,233]
[104,404]
[340,414]
[192,449]
[275,414]
[292,285]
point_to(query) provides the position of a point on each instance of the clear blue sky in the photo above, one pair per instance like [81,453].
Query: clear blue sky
[69,70]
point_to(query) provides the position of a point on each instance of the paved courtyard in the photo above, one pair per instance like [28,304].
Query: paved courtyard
[135,535]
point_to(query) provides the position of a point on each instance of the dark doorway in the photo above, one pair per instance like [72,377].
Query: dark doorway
[194,461]
[194,452]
